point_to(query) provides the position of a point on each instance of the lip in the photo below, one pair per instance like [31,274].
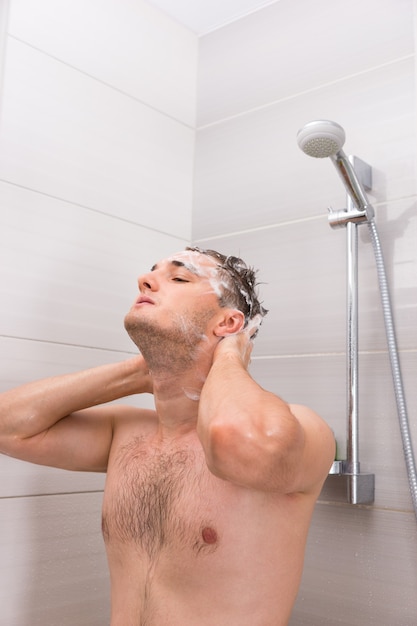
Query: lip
[144,300]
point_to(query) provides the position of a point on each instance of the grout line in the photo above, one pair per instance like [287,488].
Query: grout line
[325,354]
[69,345]
[270,357]
[261,228]
[265,357]
[302,93]
[57,493]
[300,220]
[369,507]
[102,82]
[324,502]
[93,210]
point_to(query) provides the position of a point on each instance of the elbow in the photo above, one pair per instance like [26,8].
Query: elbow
[256,456]
[221,446]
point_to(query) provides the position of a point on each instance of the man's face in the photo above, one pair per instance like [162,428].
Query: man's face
[181,294]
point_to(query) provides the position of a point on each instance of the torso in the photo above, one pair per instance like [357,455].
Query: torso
[187,548]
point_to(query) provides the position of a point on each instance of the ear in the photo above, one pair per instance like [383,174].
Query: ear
[231,322]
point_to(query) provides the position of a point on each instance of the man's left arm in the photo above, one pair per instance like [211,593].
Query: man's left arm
[251,436]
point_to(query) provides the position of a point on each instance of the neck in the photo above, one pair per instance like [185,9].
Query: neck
[177,398]
[177,384]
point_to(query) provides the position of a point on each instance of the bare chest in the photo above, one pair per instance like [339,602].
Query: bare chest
[161,498]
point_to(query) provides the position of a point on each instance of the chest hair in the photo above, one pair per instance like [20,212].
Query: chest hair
[154,502]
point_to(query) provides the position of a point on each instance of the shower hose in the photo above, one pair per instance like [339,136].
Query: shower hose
[395,365]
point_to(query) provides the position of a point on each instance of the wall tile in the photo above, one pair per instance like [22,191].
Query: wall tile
[289,48]
[250,172]
[127,44]
[19,479]
[303,274]
[73,138]
[361,568]
[54,568]
[28,359]
[4,14]
[68,274]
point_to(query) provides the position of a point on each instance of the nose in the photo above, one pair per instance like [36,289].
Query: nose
[147,281]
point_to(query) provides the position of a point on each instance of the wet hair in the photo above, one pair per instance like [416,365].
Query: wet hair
[239,284]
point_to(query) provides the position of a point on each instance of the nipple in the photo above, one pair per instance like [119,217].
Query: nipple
[209,535]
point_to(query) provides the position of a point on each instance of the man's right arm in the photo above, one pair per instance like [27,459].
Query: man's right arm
[51,422]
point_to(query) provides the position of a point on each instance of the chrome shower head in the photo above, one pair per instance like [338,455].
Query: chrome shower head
[321,138]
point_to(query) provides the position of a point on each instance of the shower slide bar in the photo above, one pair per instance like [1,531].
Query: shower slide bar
[360,486]
[325,138]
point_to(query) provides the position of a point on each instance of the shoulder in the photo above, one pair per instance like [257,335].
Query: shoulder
[131,420]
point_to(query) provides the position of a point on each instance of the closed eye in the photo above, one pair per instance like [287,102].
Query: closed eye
[178,279]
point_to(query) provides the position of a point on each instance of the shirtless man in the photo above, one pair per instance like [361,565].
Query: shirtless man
[209,497]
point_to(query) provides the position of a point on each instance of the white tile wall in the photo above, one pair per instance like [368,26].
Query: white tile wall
[250,171]
[4,12]
[69,274]
[128,44]
[74,138]
[360,568]
[261,79]
[53,564]
[302,267]
[292,47]
[96,161]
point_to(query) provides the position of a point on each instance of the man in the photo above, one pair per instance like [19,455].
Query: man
[209,497]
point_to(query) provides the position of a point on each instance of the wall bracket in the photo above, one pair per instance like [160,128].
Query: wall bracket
[360,487]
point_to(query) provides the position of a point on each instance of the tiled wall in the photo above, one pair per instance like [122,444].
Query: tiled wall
[256,194]
[96,160]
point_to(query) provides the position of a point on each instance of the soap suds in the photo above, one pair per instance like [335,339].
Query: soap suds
[191,393]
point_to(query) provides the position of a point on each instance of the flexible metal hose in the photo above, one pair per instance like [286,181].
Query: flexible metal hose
[395,365]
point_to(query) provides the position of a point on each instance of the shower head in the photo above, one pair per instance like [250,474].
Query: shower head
[324,138]
[321,138]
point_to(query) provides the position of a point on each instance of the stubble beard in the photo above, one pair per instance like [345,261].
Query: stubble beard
[172,349]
